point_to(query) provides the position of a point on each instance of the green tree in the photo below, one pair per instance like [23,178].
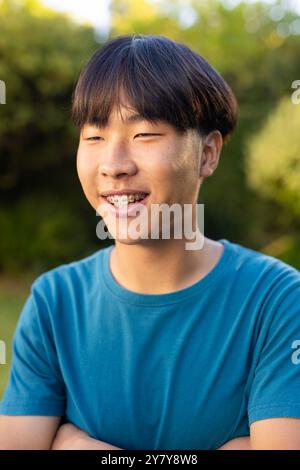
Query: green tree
[41,53]
[273,164]
[43,214]
[273,171]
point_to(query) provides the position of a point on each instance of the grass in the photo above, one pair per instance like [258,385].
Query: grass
[13,293]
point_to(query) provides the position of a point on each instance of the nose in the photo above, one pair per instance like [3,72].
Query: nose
[117,160]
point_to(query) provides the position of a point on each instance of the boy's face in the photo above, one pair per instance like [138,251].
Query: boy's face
[164,164]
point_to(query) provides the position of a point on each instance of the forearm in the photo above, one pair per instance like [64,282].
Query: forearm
[69,437]
[88,443]
[239,443]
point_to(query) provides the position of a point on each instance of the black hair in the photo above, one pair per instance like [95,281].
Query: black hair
[161,80]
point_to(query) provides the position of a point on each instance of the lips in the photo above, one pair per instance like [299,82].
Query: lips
[123,192]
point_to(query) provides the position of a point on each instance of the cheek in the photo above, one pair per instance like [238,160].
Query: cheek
[184,177]
[86,166]
[86,171]
[167,170]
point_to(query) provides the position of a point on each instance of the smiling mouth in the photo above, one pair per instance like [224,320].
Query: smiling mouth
[126,203]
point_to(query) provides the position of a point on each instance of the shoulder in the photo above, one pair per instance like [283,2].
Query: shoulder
[82,267]
[272,283]
[68,281]
[257,265]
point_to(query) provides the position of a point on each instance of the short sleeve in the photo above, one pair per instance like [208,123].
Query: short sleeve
[275,390]
[35,385]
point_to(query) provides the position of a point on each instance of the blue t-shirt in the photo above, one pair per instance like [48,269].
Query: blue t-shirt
[190,369]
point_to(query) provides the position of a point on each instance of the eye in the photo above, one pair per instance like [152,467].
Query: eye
[94,138]
[146,134]
[97,138]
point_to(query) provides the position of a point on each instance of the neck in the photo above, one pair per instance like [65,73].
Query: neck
[162,266]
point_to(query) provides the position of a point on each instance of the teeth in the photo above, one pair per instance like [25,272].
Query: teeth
[124,199]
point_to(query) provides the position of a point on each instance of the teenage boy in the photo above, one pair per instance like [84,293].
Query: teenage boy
[146,344]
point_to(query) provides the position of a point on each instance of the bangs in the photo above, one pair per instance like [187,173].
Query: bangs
[157,78]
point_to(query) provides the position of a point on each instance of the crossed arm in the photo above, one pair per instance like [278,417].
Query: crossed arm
[69,436]
[45,432]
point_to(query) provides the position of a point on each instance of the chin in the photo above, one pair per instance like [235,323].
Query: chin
[129,241]
[141,237]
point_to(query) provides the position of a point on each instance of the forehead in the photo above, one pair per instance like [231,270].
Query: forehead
[127,118]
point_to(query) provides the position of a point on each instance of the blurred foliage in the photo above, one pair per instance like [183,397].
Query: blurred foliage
[273,171]
[273,165]
[41,54]
[40,57]
[40,238]
[254,46]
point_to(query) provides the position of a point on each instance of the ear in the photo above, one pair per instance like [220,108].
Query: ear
[211,149]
